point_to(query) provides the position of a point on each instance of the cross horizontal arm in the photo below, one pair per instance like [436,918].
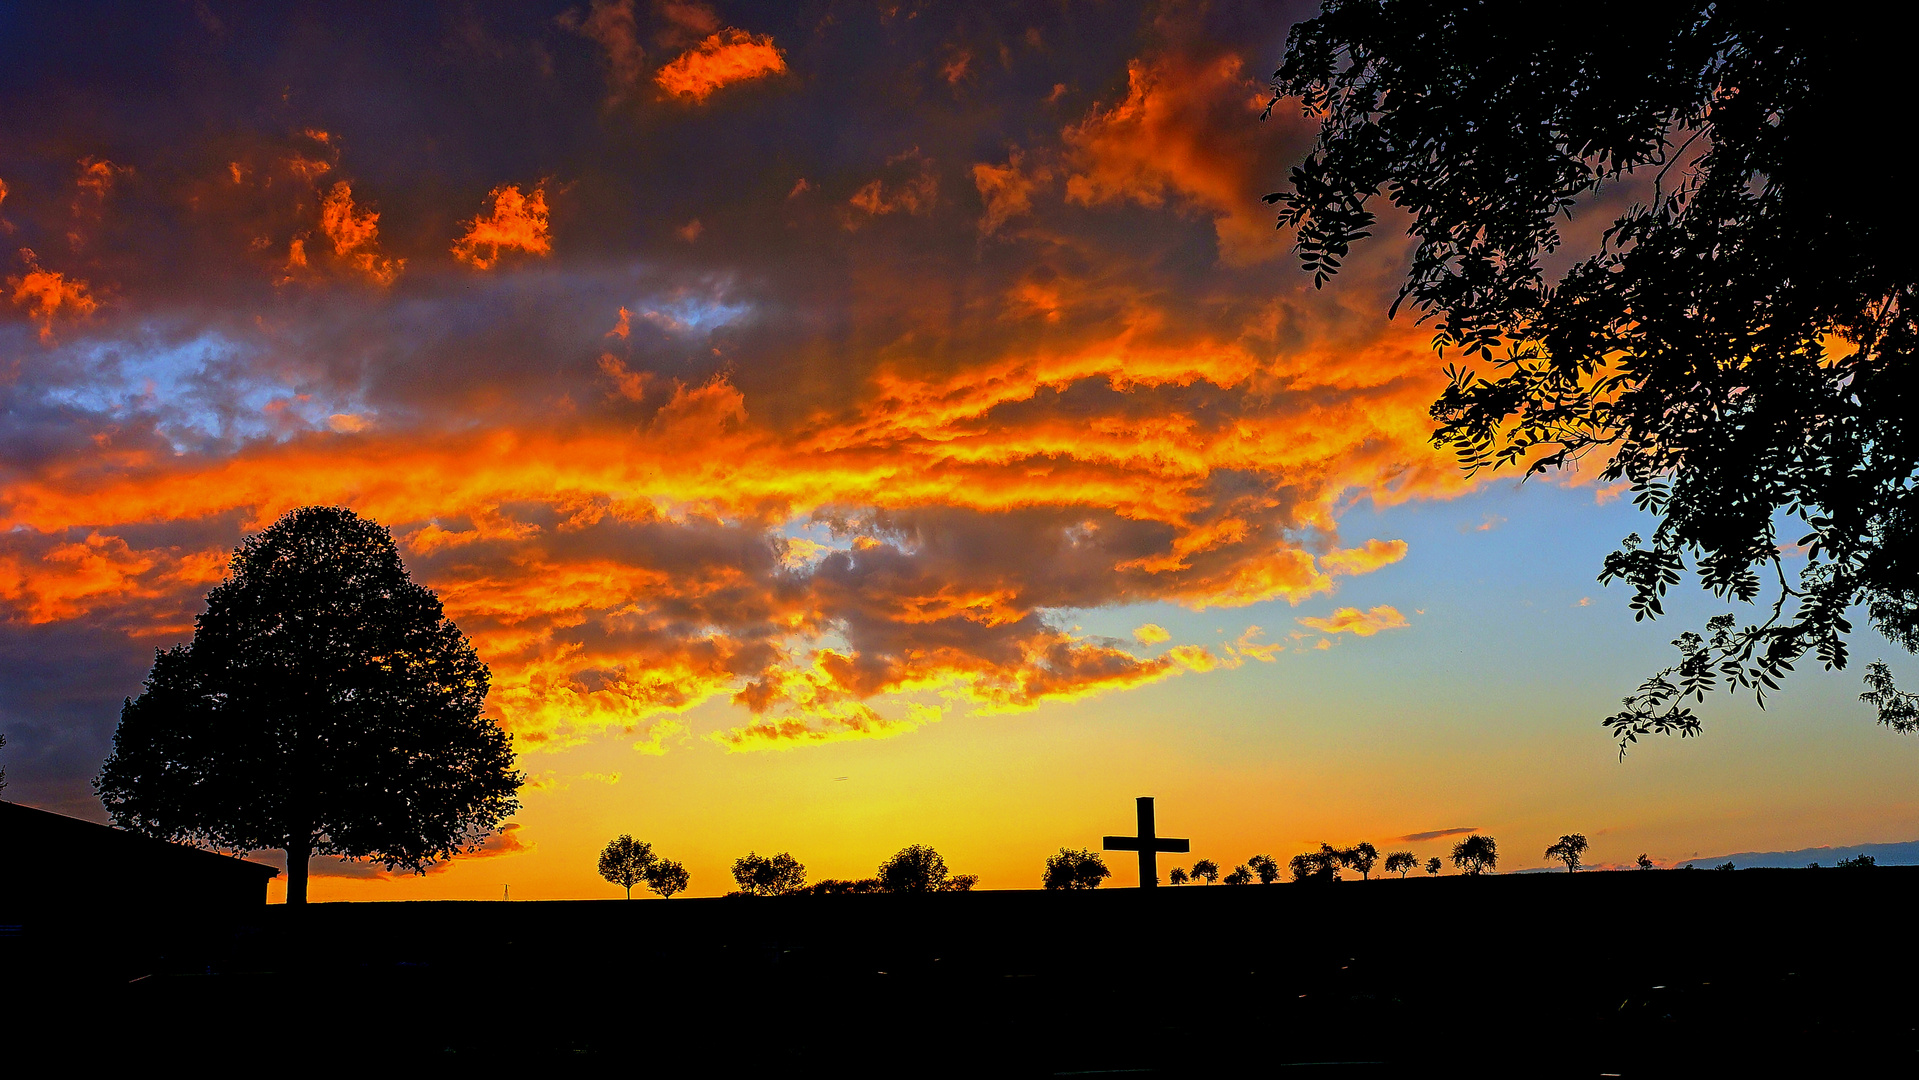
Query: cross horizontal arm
[1132,843]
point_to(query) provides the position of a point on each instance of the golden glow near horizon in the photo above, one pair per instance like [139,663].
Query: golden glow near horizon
[946,419]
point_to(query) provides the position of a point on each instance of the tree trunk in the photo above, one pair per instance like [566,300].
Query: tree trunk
[297,857]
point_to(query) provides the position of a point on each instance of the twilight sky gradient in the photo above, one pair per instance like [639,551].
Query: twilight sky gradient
[778,393]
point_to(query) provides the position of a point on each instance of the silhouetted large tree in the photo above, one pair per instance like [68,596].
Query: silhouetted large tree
[326,705]
[1738,347]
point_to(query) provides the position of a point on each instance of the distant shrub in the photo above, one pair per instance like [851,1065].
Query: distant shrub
[1857,862]
[842,887]
[1432,865]
[1178,876]
[1239,876]
[1644,862]
[1725,866]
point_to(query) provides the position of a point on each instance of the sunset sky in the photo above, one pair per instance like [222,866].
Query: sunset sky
[838,425]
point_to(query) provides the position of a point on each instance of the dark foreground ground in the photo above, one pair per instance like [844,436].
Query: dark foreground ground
[1754,972]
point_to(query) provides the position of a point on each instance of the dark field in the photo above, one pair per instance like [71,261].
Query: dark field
[1631,973]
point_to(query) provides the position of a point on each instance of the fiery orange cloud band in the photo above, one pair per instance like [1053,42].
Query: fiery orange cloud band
[728,57]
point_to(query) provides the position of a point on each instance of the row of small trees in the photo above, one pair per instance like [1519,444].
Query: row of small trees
[920,869]
[1474,855]
[914,869]
[627,862]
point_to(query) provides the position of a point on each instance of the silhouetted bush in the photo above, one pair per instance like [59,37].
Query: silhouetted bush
[1857,862]
[1073,870]
[1205,870]
[1432,865]
[1239,876]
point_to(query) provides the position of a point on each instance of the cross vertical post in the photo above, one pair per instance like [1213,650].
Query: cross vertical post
[1148,843]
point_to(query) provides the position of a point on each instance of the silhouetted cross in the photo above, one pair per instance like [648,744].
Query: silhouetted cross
[1148,845]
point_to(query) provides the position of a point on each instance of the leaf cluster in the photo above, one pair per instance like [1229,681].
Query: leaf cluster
[1737,349]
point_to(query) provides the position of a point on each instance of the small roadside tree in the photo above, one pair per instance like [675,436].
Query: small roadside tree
[1314,866]
[325,706]
[1206,870]
[1476,854]
[625,862]
[1239,876]
[666,877]
[1568,850]
[1264,868]
[1398,862]
[1360,857]
[1432,865]
[1177,876]
[1645,863]
[1072,870]
[760,875]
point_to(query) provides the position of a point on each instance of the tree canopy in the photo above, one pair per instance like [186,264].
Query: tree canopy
[1398,862]
[325,705]
[1475,855]
[1736,348]
[626,862]
[1072,870]
[761,875]
[1205,870]
[666,877]
[919,869]
[1569,849]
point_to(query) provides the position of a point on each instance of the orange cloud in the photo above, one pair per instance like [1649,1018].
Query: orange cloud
[518,222]
[1184,130]
[355,236]
[1005,191]
[1364,559]
[916,193]
[730,56]
[49,294]
[1354,621]
[1151,634]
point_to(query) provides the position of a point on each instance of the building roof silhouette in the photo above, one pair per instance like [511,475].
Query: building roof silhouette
[51,863]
